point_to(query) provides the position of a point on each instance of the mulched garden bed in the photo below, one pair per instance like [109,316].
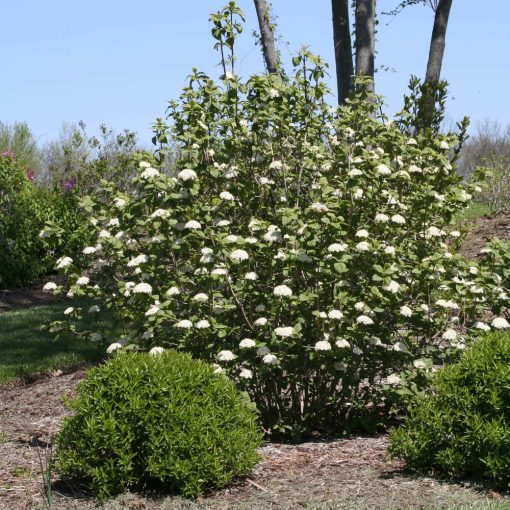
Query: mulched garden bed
[345,473]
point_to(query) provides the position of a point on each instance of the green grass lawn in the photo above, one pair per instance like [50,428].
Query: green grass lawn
[25,349]
[475,210]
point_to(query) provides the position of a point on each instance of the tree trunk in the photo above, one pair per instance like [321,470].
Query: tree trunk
[267,37]
[438,41]
[365,39]
[343,48]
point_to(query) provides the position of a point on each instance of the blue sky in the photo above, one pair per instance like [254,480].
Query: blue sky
[119,62]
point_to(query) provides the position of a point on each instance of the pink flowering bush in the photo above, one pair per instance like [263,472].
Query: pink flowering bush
[304,249]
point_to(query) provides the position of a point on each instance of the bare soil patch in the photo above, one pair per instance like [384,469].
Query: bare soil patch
[347,473]
[482,230]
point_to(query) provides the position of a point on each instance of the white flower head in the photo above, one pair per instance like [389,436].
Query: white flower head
[319,208]
[270,359]
[203,324]
[381,218]
[433,232]
[261,321]
[69,310]
[500,323]
[245,373]
[104,234]
[363,233]
[335,314]
[382,169]
[322,345]
[285,331]
[225,355]
[392,287]
[50,286]
[393,380]
[342,344]
[156,350]
[362,246]
[184,324]
[482,326]
[282,290]
[247,343]
[276,165]
[83,280]
[64,262]
[160,213]
[89,250]
[449,334]
[94,309]
[239,255]
[364,319]
[251,276]
[200,297]
[142,288]
[337,247]
[227,196]
[153,310]
[398,219]
[399,347]
[358,194]
[172,291]
[119,202]
[406,311]
[113,347]
[136,261]
[192,225]
[149,173]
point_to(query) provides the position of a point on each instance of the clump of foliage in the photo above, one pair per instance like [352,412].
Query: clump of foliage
[157,420]
[36,224]
[462,427]
[305,249]
[20,216]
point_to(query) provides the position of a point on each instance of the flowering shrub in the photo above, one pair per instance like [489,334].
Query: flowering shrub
[463,426]
[304,249]
[159,419]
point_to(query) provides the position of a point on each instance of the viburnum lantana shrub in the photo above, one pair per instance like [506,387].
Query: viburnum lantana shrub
[304,249]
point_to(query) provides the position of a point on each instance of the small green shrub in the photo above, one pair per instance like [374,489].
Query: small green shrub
[166,420]
[463,427]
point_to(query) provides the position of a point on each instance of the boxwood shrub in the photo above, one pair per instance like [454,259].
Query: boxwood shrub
[164,421]
[463,427]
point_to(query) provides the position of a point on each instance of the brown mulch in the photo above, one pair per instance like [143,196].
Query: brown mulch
[350,473]
[482,230]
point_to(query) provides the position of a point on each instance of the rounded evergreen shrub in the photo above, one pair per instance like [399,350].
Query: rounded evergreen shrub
[160,420]
[462,428]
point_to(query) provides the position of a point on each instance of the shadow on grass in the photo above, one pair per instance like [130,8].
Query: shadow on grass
[26,349]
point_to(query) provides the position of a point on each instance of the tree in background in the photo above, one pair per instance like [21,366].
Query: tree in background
[77,159]
[19,139]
